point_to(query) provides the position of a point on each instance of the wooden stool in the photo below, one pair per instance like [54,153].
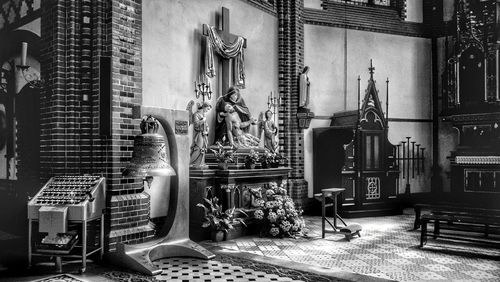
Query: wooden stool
[349,230]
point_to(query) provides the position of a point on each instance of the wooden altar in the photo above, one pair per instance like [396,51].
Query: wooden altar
[354,153]
[472,104]
[234,187]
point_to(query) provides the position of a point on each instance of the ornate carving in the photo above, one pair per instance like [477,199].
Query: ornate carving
[372,188]
[471,70]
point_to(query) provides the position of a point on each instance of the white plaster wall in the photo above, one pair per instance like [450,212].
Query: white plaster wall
[172,51]
[406,61]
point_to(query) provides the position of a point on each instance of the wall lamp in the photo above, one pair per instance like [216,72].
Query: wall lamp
[33,79]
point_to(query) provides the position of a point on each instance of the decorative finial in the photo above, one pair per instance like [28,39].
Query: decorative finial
[149,124]
[371,69]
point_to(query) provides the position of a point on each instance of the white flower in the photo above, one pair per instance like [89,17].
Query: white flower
[280,212]
[274,231]
[272,217]
[285,225]
[258,214]
[260,202]
[269,205]
[289,205]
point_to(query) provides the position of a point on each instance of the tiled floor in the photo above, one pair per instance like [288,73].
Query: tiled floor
[386,249]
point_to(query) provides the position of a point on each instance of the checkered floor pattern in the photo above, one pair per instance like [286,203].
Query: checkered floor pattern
[386,249]
[218,270]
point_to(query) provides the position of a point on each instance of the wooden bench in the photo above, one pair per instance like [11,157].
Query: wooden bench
[450,209]
[472,227]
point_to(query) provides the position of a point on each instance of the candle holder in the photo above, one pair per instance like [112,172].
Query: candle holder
[203,89]
[273,102]
[33,79]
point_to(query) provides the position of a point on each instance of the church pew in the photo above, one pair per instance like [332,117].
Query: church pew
[476,228]
[452,209]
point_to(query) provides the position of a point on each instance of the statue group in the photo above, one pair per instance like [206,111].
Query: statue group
[234,120]
[232,126]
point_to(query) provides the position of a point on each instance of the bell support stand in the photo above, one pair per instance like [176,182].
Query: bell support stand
[173,239]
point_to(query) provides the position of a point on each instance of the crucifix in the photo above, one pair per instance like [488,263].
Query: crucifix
[228,37]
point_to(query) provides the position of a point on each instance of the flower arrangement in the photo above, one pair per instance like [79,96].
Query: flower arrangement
[279,159]
[215,218]
[278,215]
[222,155]
[252,158]
[266,159]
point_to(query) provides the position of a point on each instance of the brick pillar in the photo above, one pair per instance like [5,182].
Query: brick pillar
[72,35]
[130,206]
[291,63]
[75,36]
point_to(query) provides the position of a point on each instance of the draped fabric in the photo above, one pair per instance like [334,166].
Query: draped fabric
[227,51]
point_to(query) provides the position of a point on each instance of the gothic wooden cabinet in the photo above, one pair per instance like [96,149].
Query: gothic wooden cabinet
[354,153]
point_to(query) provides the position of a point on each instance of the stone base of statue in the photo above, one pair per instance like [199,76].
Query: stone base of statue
[239,188]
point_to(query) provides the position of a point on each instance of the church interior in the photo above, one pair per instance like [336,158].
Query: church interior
[250,140]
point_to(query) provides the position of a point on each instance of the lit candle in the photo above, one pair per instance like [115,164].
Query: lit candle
[24,53]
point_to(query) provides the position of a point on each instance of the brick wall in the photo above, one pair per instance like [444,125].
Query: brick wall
[291,63]
[75,36]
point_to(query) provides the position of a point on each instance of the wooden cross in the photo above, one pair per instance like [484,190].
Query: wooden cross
[225,34]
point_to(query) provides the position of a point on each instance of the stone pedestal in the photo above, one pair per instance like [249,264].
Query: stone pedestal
[234,187]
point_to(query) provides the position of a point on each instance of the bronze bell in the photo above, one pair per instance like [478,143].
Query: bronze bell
[149,157]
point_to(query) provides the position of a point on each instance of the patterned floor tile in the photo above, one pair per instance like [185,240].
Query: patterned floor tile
[355,262]
[437,267]
[400,261]
[389,268]
[486,266]
[429,275]
[386,249]
[379,251]
[445,260]
[410,254]
[367,256]
[480,274]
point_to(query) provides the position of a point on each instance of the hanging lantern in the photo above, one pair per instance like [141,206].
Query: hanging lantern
[149,157]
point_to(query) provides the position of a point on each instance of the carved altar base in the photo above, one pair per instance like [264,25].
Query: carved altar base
[235,188]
